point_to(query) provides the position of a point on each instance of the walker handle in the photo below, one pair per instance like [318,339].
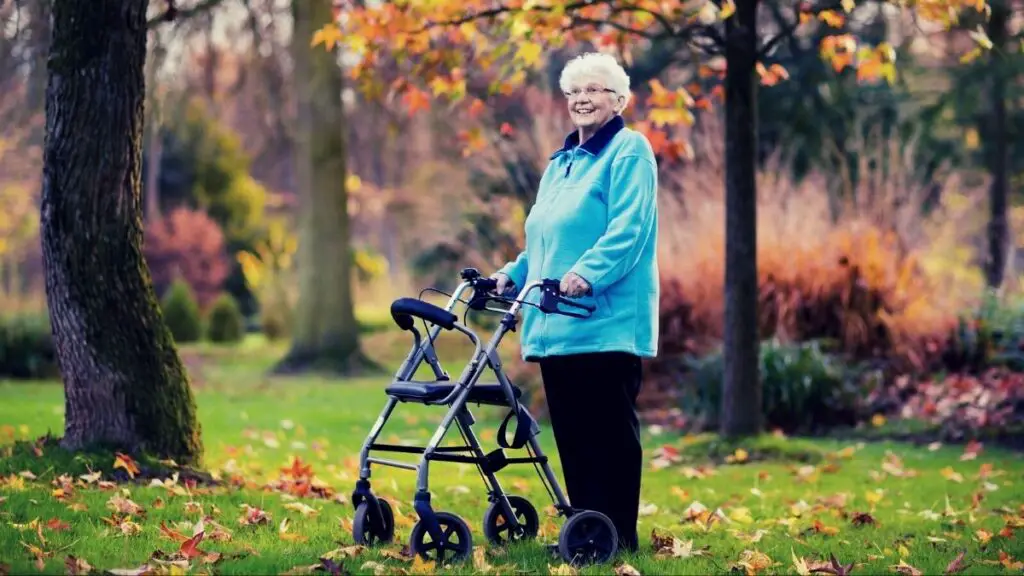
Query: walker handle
[551,297]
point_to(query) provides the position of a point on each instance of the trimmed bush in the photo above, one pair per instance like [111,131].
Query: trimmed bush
[181,313]
[225,323]
[26,347]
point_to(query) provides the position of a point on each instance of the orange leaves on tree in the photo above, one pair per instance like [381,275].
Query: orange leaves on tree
[415,99]
[476,108]
[771,75]
[329,35]
[663,145]
[832,18]
[473,140]
[839,49]
[669,107]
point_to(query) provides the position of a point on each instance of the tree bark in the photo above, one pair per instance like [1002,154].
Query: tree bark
[998,147]
[125,385]
[154,139]
[741,397]
[325,335]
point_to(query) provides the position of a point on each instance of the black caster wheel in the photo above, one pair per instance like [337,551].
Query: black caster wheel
[498,528]
[456,540]
[370,531]
[588,537]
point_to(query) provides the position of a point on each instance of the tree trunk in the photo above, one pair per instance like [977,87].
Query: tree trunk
[125,385]
[741,397]
[154,141]
[998,146]
[325,335]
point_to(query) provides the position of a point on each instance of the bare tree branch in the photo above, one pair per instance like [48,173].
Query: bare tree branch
[790,28]
[173,13]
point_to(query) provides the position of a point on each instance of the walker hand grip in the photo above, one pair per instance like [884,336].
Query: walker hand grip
[551,297]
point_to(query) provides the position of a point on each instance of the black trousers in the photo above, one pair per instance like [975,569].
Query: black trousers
[592,402]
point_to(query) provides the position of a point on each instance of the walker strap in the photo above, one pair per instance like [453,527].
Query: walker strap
[526,427]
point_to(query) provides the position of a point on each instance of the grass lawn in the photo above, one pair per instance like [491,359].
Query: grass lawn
[777,506]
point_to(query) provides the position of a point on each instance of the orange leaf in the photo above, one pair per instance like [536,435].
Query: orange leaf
[832,18]
[171,534]
[415,99]
[506,129]
[476,108]
[127,462]
[57,525]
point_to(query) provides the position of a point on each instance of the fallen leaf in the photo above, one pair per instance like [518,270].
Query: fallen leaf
[833,567]
[189,548]
[799,564]
[171,534]
[949,474]
[626,570]
[123,505]
[904,568]
[57,525]
[127,463]
[301,508]
[75,566]
[345,552]
[957,565]
[380,569]
[253,516]
[751,561]
[862,518]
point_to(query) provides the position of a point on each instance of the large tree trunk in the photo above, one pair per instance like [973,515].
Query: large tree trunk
[998,146]
[124,382]
[741,395]
[325,334]
[154,140]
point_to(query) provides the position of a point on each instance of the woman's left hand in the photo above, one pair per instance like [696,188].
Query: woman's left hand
[573,285]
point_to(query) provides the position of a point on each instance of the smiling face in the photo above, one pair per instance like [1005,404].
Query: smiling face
[591,103]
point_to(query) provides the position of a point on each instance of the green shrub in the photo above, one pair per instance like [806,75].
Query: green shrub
[181,313]
[805,389]
[225,323]
[991,337]
[26,347]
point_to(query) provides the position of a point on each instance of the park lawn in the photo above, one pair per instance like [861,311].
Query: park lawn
[876,505]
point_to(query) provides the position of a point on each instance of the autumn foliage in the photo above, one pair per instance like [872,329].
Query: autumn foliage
[873,283]
[423,52]
[189,245]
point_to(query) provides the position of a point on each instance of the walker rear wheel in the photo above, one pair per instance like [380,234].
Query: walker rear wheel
[588,537]
[498,528]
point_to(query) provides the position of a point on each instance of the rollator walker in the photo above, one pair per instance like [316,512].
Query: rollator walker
[586,536]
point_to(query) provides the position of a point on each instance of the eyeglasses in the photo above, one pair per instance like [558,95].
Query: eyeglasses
[589,90]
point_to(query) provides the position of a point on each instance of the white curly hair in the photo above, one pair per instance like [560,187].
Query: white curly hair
[596,66]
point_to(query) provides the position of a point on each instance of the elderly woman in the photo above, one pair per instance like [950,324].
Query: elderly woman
[594,226]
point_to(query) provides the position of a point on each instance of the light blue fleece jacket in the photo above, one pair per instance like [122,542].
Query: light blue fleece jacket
[596,214]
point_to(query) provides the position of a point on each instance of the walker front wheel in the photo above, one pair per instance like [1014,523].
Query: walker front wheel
[368,530]
[588,537]
[456,541]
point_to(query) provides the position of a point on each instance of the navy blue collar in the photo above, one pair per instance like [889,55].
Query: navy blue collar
[598,141]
